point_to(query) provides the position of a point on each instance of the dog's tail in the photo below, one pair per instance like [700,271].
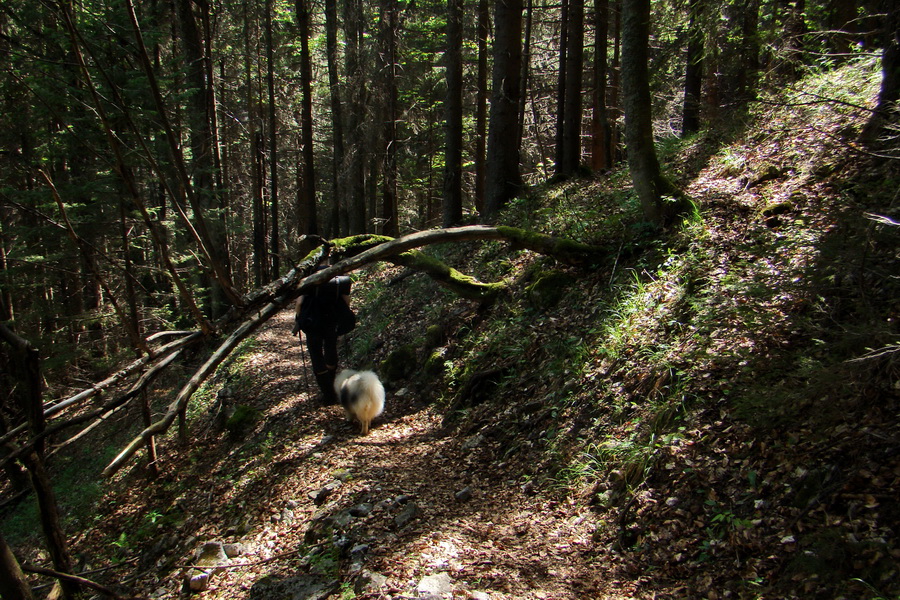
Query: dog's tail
[362,395]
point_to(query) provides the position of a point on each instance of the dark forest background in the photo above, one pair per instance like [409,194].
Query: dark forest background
[158,160]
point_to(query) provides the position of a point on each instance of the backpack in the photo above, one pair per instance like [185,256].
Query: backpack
[320,314]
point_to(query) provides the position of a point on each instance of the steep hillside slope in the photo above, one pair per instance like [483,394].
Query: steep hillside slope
[723,397]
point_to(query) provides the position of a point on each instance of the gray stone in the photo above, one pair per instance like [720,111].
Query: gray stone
[438,585]
[342,475]
[409,512]
[361,510]
[464,495]
[473,442]
[209,559]
[369,582]
[322,495]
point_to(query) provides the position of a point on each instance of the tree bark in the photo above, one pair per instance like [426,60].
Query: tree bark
[453,116]
[357,122]
[748,75]
[389,210]
[337,120]
[526,66]
[693,74]
[503,180]
[571,156]
[483,31]
[13,585]
[307,220]
[260,221]
[26,359]
[272,118]
[600,128]
[48,511]
[886,113]
[646,174]
[561,88]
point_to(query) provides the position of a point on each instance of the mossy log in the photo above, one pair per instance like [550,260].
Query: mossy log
[369,248]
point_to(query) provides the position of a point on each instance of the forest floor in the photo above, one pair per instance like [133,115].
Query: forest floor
[712,413]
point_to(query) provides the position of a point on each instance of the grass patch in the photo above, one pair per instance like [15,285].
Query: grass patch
[78,487]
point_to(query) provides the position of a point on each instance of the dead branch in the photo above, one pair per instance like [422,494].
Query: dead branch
[74,579]
[110,381]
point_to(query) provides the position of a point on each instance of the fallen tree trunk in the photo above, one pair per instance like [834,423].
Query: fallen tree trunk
[359,251]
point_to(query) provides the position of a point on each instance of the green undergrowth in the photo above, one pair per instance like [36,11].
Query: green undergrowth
[76,495]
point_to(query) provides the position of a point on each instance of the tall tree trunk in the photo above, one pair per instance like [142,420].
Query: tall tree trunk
[389,24]
[453,117]
[887,112]
[748,75]
[483,31]
[7,307]
[260,261]
[503,180]
[27,364]
[337,120]
[561,88]
[614,103]
[274,221]
[600,133]
[128,268]
[354,160]
[526,64]
[571,139]
[693,74]
[794,30]
[841,17]
[643,164]
[306,209]
[202,142]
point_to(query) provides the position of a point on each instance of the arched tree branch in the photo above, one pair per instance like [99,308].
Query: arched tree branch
[359,251]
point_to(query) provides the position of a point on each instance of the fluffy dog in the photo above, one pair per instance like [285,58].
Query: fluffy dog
[361,394]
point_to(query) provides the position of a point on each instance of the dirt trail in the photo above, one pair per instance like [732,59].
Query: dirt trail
[505,540]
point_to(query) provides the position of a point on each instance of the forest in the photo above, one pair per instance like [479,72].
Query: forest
[627,269]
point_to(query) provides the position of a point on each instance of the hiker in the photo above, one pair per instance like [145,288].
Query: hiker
[323,314]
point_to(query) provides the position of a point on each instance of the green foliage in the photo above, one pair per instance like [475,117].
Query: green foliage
[399,364]
[78,488]
[242,420]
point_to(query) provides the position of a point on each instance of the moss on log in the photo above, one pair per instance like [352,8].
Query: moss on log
[564,250]
[448,277]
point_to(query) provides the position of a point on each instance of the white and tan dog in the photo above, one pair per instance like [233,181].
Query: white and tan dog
[361,394]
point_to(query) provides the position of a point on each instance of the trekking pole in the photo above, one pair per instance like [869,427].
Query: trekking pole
[305,365]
